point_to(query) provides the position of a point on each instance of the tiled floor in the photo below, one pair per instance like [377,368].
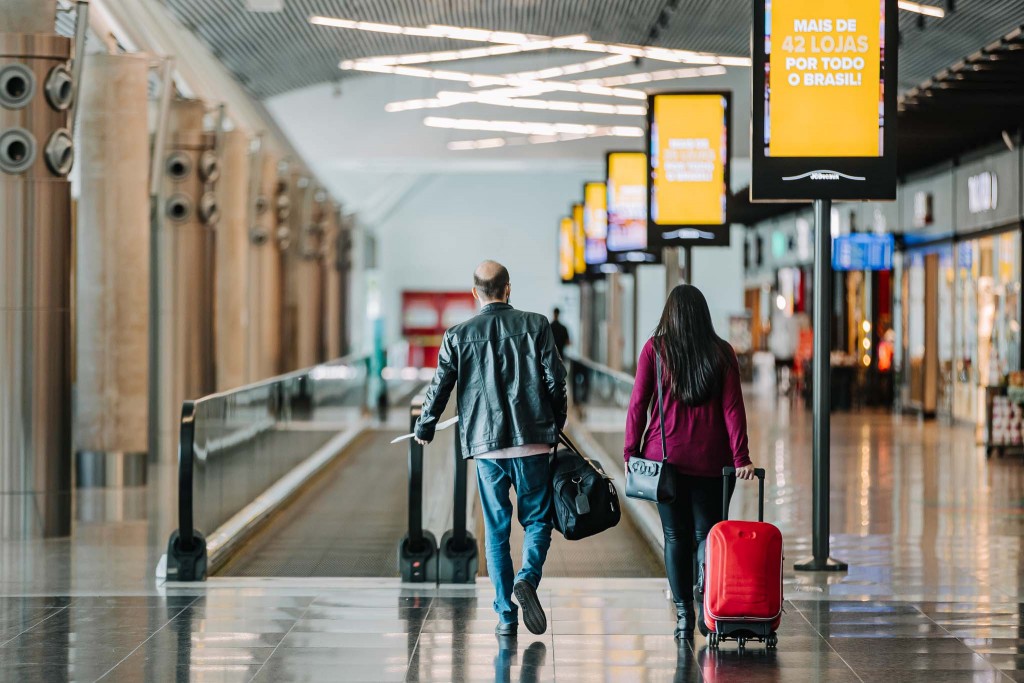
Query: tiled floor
[931,529]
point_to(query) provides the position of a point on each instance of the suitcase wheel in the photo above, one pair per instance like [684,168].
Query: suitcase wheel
[773,640]
[713,641]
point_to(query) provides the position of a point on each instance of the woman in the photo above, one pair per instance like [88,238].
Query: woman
[705,430]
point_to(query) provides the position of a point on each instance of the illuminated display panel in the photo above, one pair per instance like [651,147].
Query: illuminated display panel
[688,182]
[595,223]
[566,249]
[627,201]
[579,240]
[824,109]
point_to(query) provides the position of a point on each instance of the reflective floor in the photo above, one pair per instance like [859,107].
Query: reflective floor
[931,529]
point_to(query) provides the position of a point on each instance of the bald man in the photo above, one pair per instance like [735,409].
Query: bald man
[512,404]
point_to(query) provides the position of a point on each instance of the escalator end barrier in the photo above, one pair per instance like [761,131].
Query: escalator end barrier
[418,564]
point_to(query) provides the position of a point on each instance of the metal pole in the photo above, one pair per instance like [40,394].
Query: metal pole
[670,257]
[821,384]
[636,317]
[688,264]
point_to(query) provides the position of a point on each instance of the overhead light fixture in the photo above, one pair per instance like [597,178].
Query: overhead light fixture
[450,99]
[474,52]
[651,76]
[573,69]
[490,143]
[513,38]
[531,127]
[482,80]
[927,10]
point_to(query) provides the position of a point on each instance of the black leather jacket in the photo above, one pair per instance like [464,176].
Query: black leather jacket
[511,382]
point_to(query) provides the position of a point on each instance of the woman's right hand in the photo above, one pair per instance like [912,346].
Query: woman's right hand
[745,472]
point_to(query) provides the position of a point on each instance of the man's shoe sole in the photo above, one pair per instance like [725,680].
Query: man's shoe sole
[533,613]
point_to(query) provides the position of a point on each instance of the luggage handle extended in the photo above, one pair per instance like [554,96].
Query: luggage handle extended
[731,472]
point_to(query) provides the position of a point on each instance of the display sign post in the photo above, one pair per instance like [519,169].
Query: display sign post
[823,127]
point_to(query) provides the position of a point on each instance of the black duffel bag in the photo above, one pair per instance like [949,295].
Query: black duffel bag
[586,502]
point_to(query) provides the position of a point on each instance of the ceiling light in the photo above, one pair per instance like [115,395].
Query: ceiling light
[450,99]
[927,10]
[531,127]
[475,52]
[573,69]
[651,76]
[481,80]
[508,37]
[489,143]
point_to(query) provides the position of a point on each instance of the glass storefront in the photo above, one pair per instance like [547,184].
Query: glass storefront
[959,314]
[987,326]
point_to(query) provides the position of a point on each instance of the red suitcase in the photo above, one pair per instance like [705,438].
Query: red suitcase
[743,576]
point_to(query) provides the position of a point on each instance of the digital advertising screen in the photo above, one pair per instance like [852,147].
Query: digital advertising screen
[688,168]
[595,223]
[626,182]
[579,240]
[824,107]
[566,250]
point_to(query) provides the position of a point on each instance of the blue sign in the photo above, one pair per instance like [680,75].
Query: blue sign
[862,252]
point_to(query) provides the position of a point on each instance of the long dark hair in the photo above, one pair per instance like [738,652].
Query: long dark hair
[695,357]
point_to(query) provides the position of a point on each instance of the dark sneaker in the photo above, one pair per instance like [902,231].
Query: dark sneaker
[506,630]
[533,613]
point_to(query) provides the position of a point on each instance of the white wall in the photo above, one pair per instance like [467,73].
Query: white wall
[436,237]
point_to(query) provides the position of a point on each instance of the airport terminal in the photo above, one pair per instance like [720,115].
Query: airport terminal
[511,340]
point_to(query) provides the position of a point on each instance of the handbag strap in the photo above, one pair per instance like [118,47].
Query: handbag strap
[661,407]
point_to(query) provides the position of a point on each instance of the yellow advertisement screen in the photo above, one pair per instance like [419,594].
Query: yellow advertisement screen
[595,223]
[579,239]
[689,135]
[566,247]
[824,90]
[627,201]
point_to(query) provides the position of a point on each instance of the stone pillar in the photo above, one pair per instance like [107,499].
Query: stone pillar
[112,273]
[35,273]
[231,310]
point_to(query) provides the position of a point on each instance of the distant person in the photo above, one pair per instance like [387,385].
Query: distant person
[560,333]
[782,342]
[511,398]
[705,430]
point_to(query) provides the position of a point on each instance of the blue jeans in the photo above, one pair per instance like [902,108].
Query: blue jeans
[531,477]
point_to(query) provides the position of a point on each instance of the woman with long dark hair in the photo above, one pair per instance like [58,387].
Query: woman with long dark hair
[705,430]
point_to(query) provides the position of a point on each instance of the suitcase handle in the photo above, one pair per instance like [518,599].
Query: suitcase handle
[731,472]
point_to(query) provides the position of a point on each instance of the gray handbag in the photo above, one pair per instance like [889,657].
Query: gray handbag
[649,479]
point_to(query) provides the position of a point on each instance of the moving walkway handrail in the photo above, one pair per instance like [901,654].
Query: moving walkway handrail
[186,557]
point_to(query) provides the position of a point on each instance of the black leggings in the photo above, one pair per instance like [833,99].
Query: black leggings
[687,521]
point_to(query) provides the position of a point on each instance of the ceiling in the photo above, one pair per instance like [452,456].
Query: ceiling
[272,53]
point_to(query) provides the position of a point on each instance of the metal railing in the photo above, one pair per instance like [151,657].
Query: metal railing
[234,445]
[594,384]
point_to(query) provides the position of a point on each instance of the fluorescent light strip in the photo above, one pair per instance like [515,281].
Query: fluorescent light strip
[450,99]
[928,10]
[508,37]
[651,76]
[573,69]
[482,80]
[655,53]
[491,143]
[530,127]
[474,52]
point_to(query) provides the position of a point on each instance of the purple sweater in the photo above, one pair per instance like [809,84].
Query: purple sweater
[701,439]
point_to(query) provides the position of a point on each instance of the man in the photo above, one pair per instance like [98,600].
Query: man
[512,404]
[560,333]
